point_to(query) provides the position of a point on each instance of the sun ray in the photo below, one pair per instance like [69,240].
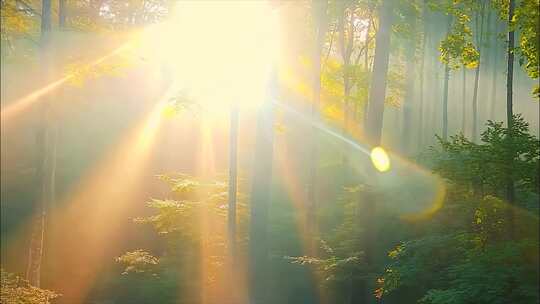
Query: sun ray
[206,157]
[296,193]
[91,218]
[15,108]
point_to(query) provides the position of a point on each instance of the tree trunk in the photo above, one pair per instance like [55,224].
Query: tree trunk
[409,98]
[260,198]
[509,113]
[463,101]
[421,84]
[231,210]
[62,12]
[319,15]
[366,66]
[474,131]
[492,99]
[233,172]
[366,47]
[45,163]
[346,45]
[483,94]
[445,91]
[445,102]
[480,40]
[377,92]
[436,94]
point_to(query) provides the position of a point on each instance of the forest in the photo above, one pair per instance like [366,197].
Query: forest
[270,151]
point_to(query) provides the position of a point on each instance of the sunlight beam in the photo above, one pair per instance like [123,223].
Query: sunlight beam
[93,215]
[22,104]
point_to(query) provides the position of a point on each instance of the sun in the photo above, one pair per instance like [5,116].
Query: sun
[220,52]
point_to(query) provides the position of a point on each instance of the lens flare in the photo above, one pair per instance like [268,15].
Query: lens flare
[380,159]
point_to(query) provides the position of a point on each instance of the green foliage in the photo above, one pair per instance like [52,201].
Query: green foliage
[457,48]
[485,167]
[16,21]
[138,261]
[407,13]
[178,219]
[454,268]
[527,19]
[466,255]
[15,290]
[333,267]
[191,220]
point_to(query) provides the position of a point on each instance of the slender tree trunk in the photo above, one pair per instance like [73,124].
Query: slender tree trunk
[366,66]
[366,47]
[510,113]
[233,177]
[62,12]
[231,210]
[483,93]
[421,84]
[377,92]
[464,101]
[445,92]
[409,96]
[346,44]
[35,253]
[319,14]
[480,40]
[346,36]
[474,131]
[493,98]
[260,198]
[445,102]
[46,139]
[377,95]
[510,68]
[434,111]
[330,45]
[45,167]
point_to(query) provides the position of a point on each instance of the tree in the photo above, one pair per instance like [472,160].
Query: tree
[346,29]
[457,48]
[410,76]
[495,64]
[445,89]
[480,40]
[62,13]
[421,74]
[46,163]
[17,22]
[464,254]
[377,91]
[509,107]
[233,176]
[526,20]
[463,100]
[192,219]
[319,12]
[260,199]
